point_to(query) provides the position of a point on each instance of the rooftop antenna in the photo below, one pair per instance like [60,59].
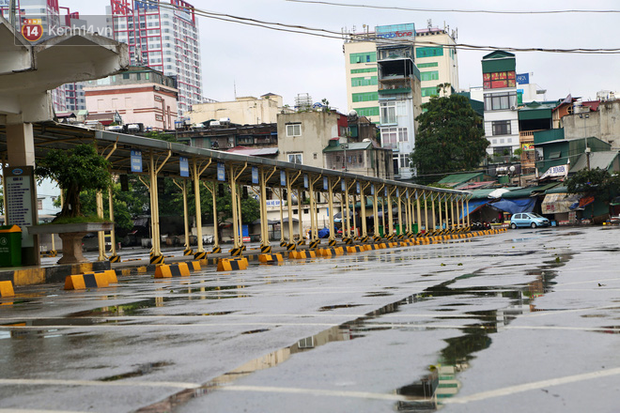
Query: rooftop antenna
[429,24]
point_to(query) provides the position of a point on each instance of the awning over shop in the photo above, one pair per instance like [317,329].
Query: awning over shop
[558,203]
[514,206]
[475,205]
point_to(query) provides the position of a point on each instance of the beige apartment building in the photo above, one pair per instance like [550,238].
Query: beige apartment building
[247,110]
[435,57]
[140,95]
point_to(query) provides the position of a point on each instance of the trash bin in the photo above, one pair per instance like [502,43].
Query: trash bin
[10,246]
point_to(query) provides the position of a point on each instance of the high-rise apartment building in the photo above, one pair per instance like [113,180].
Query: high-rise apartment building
[164,36]
[391,72]
[435,56]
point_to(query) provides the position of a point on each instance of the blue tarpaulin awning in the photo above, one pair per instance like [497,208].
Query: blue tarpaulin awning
[514,206]
[475,205]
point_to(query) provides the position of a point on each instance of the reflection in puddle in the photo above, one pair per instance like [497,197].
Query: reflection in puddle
[139,372]
[441,381]
[335,307]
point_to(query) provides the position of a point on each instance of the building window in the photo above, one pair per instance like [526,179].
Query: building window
[426,76]
[367,70]
[367,111]
[428,52]
[364,81]
[391,136]
[429,91]
[501,127]
[426,65]
[368,57]
[295,158]
[500,101]
[388,113]
[365,97]
[293,129]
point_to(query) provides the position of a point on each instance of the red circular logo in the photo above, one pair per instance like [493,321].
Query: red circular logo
[32,32]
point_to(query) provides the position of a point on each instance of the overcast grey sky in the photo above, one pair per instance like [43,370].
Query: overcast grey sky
[259,61]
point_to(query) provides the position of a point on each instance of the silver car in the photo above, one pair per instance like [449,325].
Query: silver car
[528,219]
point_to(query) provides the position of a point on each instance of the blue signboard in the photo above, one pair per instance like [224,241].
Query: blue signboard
[523,78]
[344,185]
[255,175]
[386,191]
[397,192]
[393,31]
[184,167]
[407,194]
[372,189]
[221,172]
[325,184]
[358,187]
[282,178]
[306,181]
[136,160]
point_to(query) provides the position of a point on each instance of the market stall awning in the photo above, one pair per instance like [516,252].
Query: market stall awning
[558,203]
[515,206]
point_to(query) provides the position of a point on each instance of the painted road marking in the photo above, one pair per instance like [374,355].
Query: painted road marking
[454,400]
[37,411]
[330,325]
[120,383]
[506,391]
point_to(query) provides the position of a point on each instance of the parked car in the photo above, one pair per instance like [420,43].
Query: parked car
[528,219]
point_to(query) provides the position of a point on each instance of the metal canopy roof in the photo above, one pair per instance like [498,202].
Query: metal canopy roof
[52,135]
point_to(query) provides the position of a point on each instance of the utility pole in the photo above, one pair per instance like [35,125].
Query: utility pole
[12,13]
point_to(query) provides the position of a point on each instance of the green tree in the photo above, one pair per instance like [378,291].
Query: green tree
[78,169]
[594,182]
[450,137]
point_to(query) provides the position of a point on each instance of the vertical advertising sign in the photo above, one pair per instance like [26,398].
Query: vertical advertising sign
[306,181]
[221,172]
[255,175]
[358,187]
[325,184]
[372,189]
[282,178]
[136,161]
[343,186]
[21,200]
[184,167]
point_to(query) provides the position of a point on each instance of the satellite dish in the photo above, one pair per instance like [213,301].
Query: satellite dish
[353,113]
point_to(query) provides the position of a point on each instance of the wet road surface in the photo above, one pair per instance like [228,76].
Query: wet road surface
[524,320]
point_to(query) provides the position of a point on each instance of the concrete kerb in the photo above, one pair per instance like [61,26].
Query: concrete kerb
[54,273]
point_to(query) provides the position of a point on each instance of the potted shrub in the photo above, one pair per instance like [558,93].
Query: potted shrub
[75,170]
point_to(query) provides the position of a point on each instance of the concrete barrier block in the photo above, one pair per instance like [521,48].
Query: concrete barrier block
[84,281]
[172,270]
[6,289]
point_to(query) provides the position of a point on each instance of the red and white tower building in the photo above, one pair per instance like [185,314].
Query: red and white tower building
[162,35]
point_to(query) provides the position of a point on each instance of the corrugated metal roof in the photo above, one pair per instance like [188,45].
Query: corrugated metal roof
[459,178]
[602,160]
[355,146]
[527,192]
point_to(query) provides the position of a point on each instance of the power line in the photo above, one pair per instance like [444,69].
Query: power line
[324,33]
[367,6]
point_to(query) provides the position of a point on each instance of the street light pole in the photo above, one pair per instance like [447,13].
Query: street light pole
[585,116]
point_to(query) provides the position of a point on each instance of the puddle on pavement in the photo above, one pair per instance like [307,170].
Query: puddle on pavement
[142,370]
[335,307]
[441,382]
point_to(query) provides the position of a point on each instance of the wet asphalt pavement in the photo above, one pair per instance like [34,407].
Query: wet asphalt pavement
[526,320]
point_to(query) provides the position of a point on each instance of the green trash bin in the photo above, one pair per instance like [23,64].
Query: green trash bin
[10,246]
